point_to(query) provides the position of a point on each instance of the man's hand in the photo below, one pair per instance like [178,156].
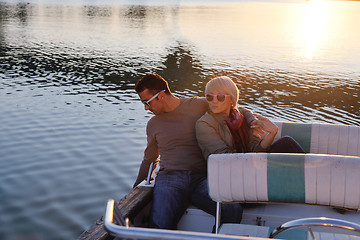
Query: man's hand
[262,125]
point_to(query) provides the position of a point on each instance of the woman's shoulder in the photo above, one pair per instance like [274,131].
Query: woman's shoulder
[205,125]
[211,118]
[205,120]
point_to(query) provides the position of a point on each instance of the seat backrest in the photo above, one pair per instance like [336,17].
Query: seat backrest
[323,138]
[320,179]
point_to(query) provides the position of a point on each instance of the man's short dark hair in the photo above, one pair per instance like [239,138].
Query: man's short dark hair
[153,82]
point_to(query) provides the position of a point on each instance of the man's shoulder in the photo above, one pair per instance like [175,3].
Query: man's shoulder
[244,109]
[195,101]
[196,98]
[153,125]
[153,119]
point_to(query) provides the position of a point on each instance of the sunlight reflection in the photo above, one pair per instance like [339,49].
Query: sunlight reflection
[313,28]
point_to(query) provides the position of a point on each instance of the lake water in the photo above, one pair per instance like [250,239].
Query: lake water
[72,131]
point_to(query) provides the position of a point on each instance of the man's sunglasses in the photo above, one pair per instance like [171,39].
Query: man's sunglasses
[220,97]
[147,102]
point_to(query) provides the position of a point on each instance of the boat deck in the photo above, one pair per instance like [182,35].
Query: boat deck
[270,215]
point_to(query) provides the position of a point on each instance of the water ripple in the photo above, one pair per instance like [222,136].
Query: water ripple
[72,129]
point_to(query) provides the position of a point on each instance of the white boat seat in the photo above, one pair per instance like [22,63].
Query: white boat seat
[326,175]
[264,232]
[338,139]
[320,179]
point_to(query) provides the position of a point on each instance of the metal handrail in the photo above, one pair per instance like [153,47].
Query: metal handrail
[316,222]
[149,174]
[149,233]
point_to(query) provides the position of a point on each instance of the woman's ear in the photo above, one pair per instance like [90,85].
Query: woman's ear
[231,101]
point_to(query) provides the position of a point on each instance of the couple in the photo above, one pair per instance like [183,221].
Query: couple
[184,132]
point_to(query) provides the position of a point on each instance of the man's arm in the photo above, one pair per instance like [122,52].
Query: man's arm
[250,118]
[248,115]
[268,127]
[150,155]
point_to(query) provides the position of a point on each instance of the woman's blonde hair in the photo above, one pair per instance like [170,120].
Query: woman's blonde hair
[224,85]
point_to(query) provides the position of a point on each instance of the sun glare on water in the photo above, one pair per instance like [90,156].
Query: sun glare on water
[313,28]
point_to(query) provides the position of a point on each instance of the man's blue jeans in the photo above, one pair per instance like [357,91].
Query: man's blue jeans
[173,192]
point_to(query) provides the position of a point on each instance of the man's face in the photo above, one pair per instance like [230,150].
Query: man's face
[154,105]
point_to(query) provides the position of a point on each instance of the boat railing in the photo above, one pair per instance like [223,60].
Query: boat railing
[316,222]
[152,173]
[148,179]
[149,233]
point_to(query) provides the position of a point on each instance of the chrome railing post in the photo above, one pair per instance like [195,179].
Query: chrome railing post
[218,216]
[149,174]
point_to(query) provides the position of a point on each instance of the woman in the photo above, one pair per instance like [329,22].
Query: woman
[223,129]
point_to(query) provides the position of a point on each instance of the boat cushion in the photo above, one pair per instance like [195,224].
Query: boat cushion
[323,138]
[264,232]
[320,179]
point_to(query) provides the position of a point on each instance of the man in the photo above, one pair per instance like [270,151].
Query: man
[171,134]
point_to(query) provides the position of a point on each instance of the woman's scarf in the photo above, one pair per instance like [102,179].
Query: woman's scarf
[238,130]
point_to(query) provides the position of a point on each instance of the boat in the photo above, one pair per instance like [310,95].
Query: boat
[315,195]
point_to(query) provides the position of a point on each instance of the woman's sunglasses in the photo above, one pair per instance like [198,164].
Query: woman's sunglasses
[220,97]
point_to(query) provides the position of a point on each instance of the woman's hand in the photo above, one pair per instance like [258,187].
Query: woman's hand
[263,124]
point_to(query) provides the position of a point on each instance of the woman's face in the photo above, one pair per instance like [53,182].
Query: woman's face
[217,106]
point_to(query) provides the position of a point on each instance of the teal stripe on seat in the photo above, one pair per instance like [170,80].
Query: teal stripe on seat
[301,132]
[292,234]
[286,178]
